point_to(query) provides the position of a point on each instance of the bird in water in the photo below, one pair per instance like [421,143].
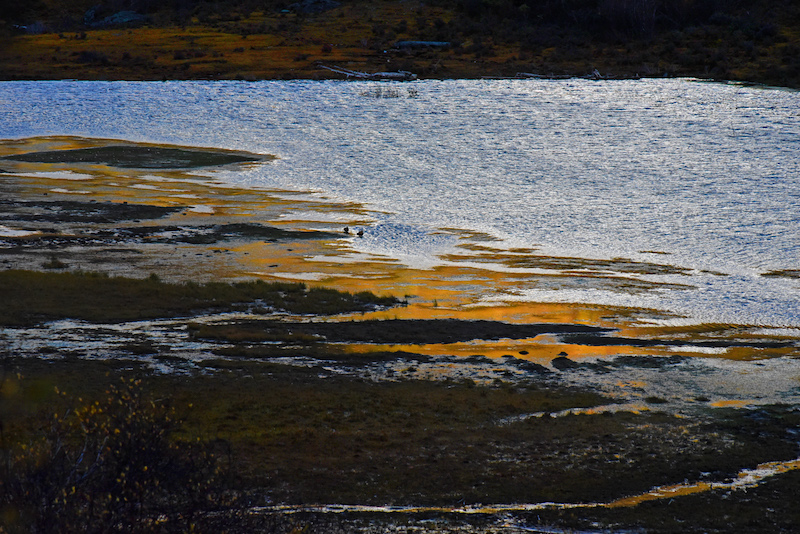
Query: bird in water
[361,233]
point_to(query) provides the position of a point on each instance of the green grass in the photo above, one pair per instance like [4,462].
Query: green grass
[30,297]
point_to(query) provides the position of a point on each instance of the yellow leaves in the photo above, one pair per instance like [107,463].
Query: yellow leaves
[118,449]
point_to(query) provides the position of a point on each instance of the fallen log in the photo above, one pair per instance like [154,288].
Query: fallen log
[400,75]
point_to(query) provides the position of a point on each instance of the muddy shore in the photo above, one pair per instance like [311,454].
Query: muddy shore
[554,414]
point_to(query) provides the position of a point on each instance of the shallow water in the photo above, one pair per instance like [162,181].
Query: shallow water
[695,175]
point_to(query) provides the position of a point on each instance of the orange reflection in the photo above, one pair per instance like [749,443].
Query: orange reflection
[747,478]
[734,403]
[536,350]
[460,289]
[665,492]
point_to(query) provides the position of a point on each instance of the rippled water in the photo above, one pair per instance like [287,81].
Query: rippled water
[698,175]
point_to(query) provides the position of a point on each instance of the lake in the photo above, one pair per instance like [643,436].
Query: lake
[687,191]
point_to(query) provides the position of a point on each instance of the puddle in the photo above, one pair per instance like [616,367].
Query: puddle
[747,478]
[5,231]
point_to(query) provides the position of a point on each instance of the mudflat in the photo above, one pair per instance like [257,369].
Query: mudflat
[334,403]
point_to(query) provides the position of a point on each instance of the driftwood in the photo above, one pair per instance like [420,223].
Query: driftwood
[400,75]
[595,75]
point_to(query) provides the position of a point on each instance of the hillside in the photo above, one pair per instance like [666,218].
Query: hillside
[755,41]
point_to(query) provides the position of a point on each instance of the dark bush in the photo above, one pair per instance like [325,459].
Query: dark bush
[635,18]
[114,465]
[92,57]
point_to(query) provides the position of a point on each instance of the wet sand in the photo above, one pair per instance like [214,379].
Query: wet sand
[180,223]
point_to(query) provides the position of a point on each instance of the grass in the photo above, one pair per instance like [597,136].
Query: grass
[299,438]
[343,440]
[318,434]
[30,297]
[54,263]
[138,156]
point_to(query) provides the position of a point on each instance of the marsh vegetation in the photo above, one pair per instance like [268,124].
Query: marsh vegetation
[226,402]
[755,41]
[98,444]
[28,297]
[138,157]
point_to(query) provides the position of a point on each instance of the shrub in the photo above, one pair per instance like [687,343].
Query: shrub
[111,465]
[93,57]
[631,17]
[54,263]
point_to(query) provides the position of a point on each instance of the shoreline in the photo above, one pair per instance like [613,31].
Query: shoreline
[520,76]
[476,406]
[179,226]
[395,83]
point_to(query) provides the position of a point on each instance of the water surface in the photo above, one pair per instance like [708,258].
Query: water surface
[701,177]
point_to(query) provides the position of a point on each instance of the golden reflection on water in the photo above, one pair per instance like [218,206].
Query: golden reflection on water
[482,283]
[456,289]
[730,403]
[665,492]
[746,478]
[525,349]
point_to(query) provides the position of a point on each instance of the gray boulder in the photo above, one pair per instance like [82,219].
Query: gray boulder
[121,18]
[412,45]
[313,6]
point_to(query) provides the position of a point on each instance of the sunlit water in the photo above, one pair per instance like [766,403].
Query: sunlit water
[697,175]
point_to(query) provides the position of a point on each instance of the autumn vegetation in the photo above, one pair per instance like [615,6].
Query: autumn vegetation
[94,444]
[29,297]
[108,446]
[745,40]
[106,466]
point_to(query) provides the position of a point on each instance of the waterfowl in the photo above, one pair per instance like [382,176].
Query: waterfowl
[347,229]
[361,233]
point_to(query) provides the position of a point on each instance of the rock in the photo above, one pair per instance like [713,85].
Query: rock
[91,15]
[411,45]
[35,28]
[121,18]
[313,6]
